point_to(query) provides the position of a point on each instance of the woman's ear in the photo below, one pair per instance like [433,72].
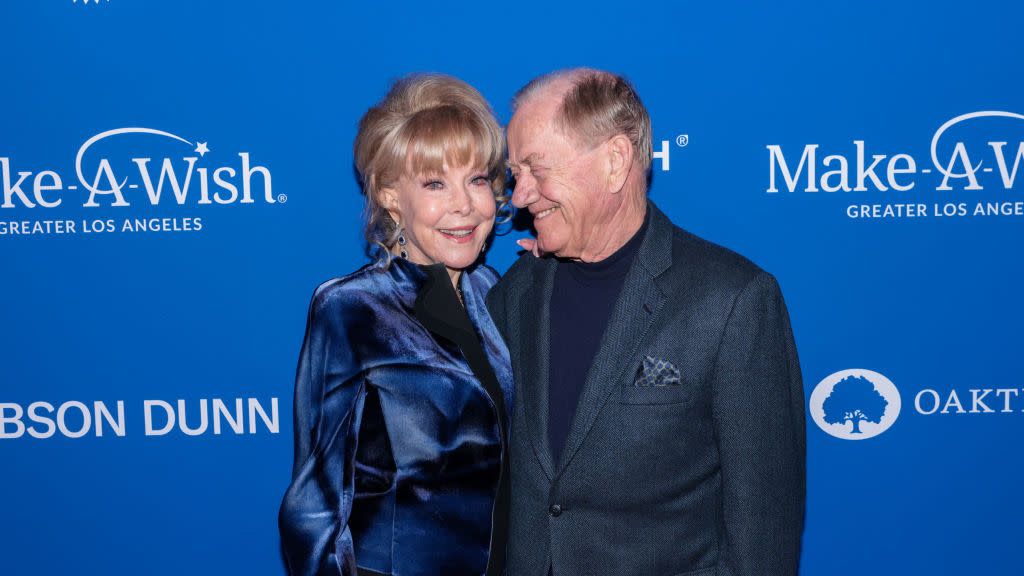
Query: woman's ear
[388,199]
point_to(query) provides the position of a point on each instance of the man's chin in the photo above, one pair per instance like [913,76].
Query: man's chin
[548,245]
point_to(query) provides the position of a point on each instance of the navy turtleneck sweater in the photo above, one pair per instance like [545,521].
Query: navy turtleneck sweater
[582,301]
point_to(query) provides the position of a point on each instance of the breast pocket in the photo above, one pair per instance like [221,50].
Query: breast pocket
[673,394]
[656,381]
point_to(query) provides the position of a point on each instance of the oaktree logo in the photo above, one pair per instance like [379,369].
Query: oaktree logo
[855,404]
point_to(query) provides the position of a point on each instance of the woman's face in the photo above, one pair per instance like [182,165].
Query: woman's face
[445,217]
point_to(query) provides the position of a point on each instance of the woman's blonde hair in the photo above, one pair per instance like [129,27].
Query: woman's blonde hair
[423,123]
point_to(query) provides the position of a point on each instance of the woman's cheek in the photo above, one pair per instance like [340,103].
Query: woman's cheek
[486,204]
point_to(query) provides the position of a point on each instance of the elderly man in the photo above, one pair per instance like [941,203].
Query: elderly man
[659,422]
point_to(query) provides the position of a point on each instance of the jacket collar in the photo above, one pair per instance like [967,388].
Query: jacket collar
[655,252]
[637,306]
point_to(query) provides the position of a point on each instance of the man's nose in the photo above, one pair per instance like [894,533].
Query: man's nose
[525,191]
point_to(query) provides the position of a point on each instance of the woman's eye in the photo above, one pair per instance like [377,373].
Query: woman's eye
[433,185]
[481,180]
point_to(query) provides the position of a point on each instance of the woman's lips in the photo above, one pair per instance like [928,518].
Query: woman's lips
[460,235]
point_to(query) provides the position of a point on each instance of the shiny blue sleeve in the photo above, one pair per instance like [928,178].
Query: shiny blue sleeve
[315,537]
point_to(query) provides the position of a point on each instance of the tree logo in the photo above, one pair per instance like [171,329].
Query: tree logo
[855,404]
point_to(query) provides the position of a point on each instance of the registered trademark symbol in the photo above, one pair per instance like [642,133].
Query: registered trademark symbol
[682,140]
[282,198]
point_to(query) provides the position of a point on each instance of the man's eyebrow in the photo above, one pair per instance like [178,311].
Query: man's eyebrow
[529,160]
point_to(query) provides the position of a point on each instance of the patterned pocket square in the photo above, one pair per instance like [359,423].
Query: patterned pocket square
[657,372]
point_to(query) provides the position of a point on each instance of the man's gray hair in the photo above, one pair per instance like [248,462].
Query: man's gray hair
[597,106]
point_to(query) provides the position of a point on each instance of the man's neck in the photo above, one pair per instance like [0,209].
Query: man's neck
[614,234]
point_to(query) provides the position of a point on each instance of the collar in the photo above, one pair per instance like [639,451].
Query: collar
[427,291]
[615,266]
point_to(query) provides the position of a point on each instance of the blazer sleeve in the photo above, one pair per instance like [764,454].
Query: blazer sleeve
[315,537]
[758,410]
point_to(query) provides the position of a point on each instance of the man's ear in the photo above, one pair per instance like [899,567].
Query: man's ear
[620,160]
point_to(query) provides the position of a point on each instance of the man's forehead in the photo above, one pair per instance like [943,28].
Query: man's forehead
[534,123]
[540,108]
[529,126]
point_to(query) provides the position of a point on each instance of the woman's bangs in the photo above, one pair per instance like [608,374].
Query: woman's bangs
[447,136]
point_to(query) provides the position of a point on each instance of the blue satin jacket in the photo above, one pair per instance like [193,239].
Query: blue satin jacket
[400,428]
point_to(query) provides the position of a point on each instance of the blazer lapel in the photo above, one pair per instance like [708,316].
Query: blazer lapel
[533,361]
[637,307]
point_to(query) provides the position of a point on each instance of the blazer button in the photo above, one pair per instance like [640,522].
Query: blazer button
[555,510]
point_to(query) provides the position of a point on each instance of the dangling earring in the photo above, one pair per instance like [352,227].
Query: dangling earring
[401,242]
[483,247]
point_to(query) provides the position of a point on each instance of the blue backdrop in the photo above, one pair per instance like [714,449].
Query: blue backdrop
[201,297]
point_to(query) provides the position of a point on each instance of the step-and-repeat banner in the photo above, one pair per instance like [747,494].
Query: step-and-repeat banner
[176,178]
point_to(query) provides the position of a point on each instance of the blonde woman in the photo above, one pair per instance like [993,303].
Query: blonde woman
[403,383]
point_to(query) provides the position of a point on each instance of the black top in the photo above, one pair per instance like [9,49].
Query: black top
[438,308]
[582,300]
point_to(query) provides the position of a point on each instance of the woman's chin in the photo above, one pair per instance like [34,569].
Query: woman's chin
[461,261]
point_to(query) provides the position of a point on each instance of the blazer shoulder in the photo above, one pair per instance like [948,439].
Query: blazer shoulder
[713,264]
[519,275]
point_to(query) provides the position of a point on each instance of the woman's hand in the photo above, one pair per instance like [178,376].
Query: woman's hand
[530,245]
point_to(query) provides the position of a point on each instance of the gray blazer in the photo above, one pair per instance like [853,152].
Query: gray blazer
[686,454]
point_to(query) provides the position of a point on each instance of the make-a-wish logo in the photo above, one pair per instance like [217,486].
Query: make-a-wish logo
[969,152]
[855,404]
[130,166]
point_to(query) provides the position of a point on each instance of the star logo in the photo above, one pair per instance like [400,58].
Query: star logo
[201,148]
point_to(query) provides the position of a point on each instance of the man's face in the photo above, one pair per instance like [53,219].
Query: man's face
[557,179]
